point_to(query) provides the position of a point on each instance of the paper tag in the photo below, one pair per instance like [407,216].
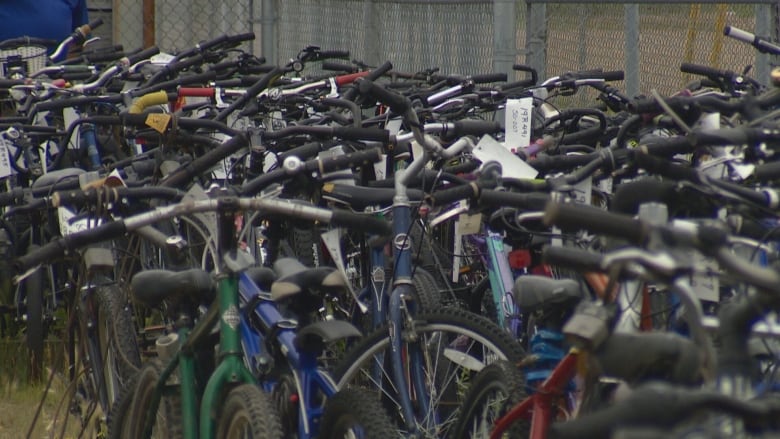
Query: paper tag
[470,224]
[67,227]
[488,149]
[705,287]
[380,168]
[158,121]
[161,59]
[5,160]
[517,123]
[605,184]
[583,191]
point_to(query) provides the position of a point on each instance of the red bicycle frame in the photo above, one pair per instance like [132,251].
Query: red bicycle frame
[539,406]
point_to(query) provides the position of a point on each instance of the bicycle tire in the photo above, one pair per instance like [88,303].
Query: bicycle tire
[168,416]
[495,390]
[118,417]
[353,413]
[248,413]
[461,343]
[34,331]
[426,292]
[121,357]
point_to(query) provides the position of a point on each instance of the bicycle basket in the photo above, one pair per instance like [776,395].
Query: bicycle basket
[29,59]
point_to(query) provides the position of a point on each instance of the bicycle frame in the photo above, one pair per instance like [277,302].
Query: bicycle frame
[310,380]
[539,405]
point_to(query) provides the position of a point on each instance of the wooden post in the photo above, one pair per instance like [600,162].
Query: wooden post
[148,11]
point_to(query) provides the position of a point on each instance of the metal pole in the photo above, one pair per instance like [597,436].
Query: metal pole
[372,38]
[504,36]
[536,37]
[267,25]
[631,50]
[763,29]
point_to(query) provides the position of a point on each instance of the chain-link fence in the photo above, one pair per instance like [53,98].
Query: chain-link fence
[648,40]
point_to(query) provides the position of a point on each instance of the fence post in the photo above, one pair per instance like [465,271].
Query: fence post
[372,35]
[504,37]
[148,23]
[631,49]
[267,31]
[536,37]
[763,29]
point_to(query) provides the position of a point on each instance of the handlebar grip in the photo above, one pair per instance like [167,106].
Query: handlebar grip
[340,162]
[303,152]
[94,24]
[697,69]
[545,162]
[486,78]
[613,75]
[198,166]
[8,83]
[369,134]
[338,67]
[333,54]
[60,246]
[461,192]
[767,172]
[573,258]
[15,196]
[379,71]
[531,201]
[528,69]
[240,38]
[595,220]
[476,127]
[398,103]
[201,92]
[665,168]
[144,54]
[361,222]
[669,146]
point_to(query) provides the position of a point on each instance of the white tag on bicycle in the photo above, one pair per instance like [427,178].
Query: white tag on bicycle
[605,184]
[470,224]
[5,159]
[488,149]
[706,287]
[380,168]
[68,226]
[583,191]
[161,59]
[517,123]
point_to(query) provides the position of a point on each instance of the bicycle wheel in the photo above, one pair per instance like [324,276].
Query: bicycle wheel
[248,413]
[444,350]
[353,413]
[495,390]
[32,288]
[118,418]
[118,347]
[167,423]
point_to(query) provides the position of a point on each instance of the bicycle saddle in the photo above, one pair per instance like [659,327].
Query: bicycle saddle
[295,278]
[57,176]
[152,287]
[534,293]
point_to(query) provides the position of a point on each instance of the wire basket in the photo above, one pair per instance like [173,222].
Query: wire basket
[29,59]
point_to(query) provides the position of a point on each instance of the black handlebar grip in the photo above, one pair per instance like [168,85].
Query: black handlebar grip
[767,172]
[532,201]
[333,54]
[461,192]
[610,75]
[95,23]
[669,146]
[613,75]
[665,168]
[361,222]
[697,69]
[573,258]
[462,168]
[60,246]
[144,54]
[240,38]
[303,152]
[8,83]
[579,216]
[338,67]
[475,127]
[368,134]
[104,56]
[398,103]
[486,78]
[132,119]
[337,163]
[377,73]
[14,196]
